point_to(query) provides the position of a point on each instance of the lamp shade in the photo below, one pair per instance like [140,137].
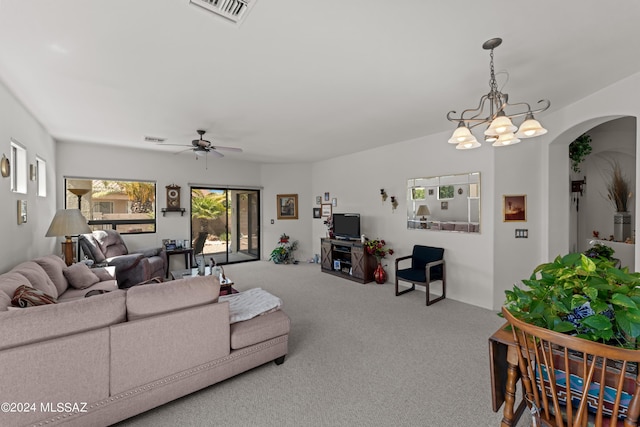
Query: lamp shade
[462,134]
[423,210]
[468,145]
[506,139]
[500,125]
[68,222]
[530,128]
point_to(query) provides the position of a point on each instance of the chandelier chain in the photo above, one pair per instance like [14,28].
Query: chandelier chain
[492,83]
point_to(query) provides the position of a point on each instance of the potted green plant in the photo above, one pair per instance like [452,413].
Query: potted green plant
[582,296]
[600,251]
[283,252]
[578,150]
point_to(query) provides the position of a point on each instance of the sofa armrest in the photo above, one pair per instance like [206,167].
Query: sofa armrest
[125,262]
[151,252]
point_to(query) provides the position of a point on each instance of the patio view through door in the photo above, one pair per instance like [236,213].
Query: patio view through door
[225,224]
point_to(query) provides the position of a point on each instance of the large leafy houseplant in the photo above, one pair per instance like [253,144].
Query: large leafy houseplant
[582,296]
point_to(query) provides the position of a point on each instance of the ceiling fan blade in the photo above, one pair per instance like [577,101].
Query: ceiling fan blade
[173,145]
[216,153]
[219,147]
[182,151]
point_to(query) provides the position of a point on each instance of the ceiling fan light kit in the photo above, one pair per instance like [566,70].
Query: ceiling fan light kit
[492,111]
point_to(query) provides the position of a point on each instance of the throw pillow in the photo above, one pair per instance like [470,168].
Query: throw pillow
[26,296]
[80,276]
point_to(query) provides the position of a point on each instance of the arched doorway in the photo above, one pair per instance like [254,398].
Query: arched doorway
[569,226]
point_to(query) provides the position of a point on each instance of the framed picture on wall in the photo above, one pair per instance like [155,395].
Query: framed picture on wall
[326,210]
[287,205]
[514,208]
[316,213]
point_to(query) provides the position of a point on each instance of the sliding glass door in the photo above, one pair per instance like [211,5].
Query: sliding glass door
[225,223]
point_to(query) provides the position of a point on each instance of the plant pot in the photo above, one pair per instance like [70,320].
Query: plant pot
[380,275]
[621,226]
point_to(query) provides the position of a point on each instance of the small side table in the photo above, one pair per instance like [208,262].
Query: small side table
[188,256]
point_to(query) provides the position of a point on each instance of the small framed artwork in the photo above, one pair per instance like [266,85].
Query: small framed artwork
[326,210]
[287,205]
[514,208]
[334,202]
[431,191]
[326,196]
[316,213]
[318,200]
[22,211]
[444,206]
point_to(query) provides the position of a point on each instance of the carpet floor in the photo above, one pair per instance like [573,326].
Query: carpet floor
[358,356]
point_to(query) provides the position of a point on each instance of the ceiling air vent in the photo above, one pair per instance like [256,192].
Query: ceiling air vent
[154,139]
[233,10]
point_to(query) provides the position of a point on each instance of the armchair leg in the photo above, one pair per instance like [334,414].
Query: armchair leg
[443,296]
[398,292]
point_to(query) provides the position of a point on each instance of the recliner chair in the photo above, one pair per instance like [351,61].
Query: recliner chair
[107,246]
[427,265]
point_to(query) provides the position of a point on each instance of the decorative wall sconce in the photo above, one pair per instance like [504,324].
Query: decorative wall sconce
[394,203]
[33,174]
[383,194]
[5,168]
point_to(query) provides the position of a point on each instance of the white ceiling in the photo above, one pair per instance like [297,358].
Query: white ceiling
[299,80]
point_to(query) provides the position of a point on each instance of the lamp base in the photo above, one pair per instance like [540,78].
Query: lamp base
[67,251]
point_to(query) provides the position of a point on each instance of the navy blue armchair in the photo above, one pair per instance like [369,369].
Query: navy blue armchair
[427,265]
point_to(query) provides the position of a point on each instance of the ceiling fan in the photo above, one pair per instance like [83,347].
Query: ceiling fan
[202,146]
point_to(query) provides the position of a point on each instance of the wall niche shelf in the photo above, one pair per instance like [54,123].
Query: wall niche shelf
[165,210]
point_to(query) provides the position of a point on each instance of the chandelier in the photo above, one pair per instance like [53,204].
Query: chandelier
[492,110]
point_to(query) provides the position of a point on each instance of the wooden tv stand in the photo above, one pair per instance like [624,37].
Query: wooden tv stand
[347,259]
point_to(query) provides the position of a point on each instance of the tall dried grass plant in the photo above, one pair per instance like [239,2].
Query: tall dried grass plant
[618,189]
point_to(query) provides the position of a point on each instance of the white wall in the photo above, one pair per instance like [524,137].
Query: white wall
[355,180]
[287,179]
[25,241]
[101,161]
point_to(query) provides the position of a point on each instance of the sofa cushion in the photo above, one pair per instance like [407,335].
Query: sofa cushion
[104,274]
[5,301]
[26,296]
[37,277]
[80,276]
[156,298]
[259,329]
[53,265]
[34,324]
[73,293]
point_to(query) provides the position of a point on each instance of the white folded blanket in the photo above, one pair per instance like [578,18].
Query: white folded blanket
[251,303]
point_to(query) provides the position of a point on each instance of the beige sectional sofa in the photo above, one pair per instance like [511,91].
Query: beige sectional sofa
[98,360]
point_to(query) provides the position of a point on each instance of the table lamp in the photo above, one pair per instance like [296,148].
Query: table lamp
[423,211]
[67,223]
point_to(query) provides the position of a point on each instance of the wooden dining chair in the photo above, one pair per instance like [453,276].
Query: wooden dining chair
[556,368]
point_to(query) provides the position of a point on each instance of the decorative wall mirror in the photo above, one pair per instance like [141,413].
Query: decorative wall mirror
[448,203]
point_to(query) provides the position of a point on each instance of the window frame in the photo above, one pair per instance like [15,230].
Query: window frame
[98,224]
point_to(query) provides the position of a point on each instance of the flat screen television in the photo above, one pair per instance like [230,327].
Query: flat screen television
[346,226]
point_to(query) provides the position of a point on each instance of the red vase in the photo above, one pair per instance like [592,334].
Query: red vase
[380,275]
